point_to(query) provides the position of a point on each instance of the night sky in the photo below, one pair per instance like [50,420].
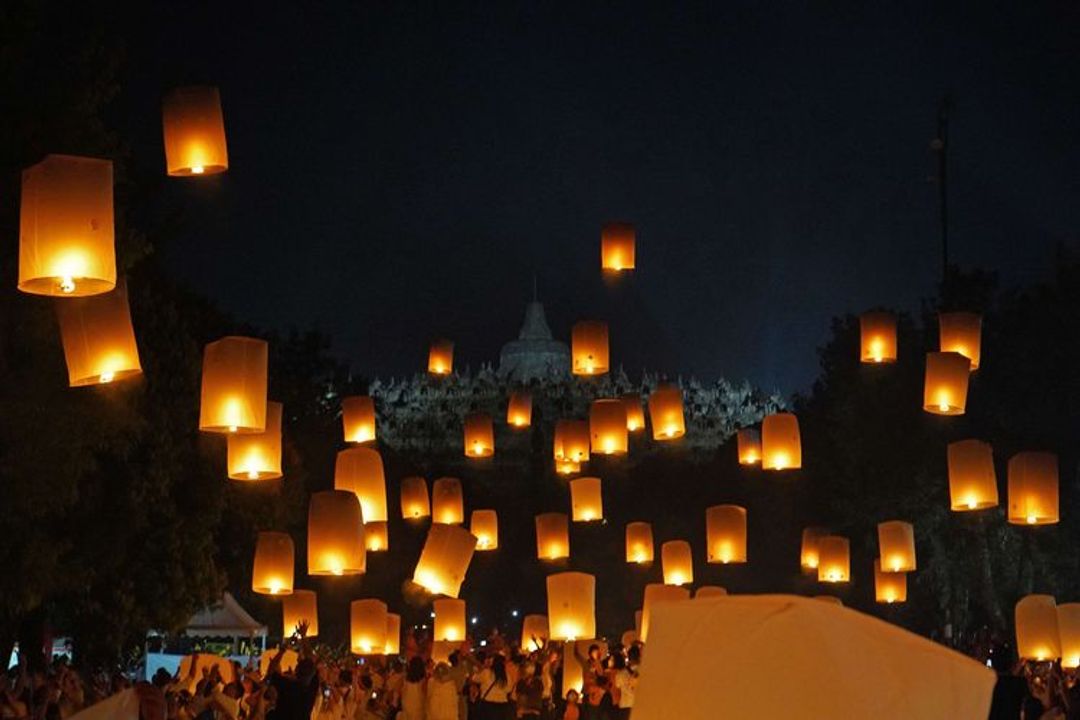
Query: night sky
[400,174]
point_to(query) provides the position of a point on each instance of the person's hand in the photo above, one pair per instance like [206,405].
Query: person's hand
[302,629]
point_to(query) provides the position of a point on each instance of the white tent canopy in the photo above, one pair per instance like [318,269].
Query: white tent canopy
[781,656]
[225,619]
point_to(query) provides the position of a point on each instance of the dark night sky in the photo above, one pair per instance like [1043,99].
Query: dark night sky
[399,174]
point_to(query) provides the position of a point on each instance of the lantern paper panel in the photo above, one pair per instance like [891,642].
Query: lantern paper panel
[586,500]
[98,338]
[725,530]
[441,357]
[961,332]
[572,440]
[449,619]
[834,559]
[617,242]
[657,593]
[972,481]
[414,498]
[447,501]
[194,130]
[1068,618]
[368,626]
[889,587]
[393,635]
[677,562]
[749,446]
[519,409]
[946,384]
[1033,488]
[708,591]
[534,632]
[358,418]
[552,536]
[484,524]
[781,443]
[639,542]
[335,534]
[300,607]
[272,570]
[359,470]
[589,348]
[1037,634]
[635,412]
[234,377]
[877,337]
[666,413]
[377,536]
[573,673]
[479,436]
[571,605]
[810,554]
[257,456]
[896,546]
[445,559]
[607,427]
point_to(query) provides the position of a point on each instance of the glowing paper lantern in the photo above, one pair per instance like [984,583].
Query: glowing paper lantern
[519,409]
[552,536]
[656,593]
[946,386]
[359,470]
[972,482]
[749,445]
[377,536]
[572,440]
[635,412]
[335,534]
[567,467]
[272,571]
[449,619]
[257,456]
[571,600]
[445,559]
[368,626]
[666,413]
[534,632]
[414,498]
[896,545]
[441,357]
[358,418]
[707,591]
[589,347]
[1037,634]
[1033,488]
[810,554]
[639,542]
[617,247]
[834,561]
[586,500]
[573,673]
[479,436]
[961,332]
[233,397]
[300,607]
[1068,618]
[889,587]
[66,236]
[194,132]
[878,335]
[725,528]
[677,562]
[484,524]
[447,502]
[781,444]
[607,427]
[393,635]
[99,342]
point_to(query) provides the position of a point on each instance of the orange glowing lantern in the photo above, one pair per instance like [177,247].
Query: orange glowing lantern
[1037,634]
[393,635]
[368,626]
[519,409]
[878,331]
[810,554]
[377,536]
[449,619]
[335,534]
[607,427]
[657,593]
[571,600]
[961,332]
[300,607]
[484,524]
[677,562]
[257,456]
[725,528]
[572,441]
[586,500]
[708,591]
[567,467]
[896,545]
[534,632]
[834,559]
[972,482]
[1068,618]
[781,444]
[99,342]
[272,572]
[889,587]
[589,347]
[639,542]
[194,132]
[233,395]
[617,241]
[414,498]
[946,386]
[447,502]
[358,418]
[635,413]
[749,445]
[666,413]
[445,559]
[441,357]
[66,235]
[360,471]
[1033,488]
[479,436]
[552,536]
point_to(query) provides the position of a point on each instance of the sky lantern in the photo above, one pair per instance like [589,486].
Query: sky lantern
[571,600]
[99,341]
[666,412]
[393,635]
[878,337]
[552,536]
[655,593]
[607,427]
[234,375]
[367,626]
[479,436]
[834,559]
[896,546]
[572,440]
[617,241]
[360,471]
[946,386]
[449,619]
[447,502]
[567,467]
[961,332]
[972,481]
[484,524]
[519,409]
[257,456]
[194,132]
[889,587]
[725,528]
[377,536]
[445,559]
[1068,619]
[358,418]
[708,591]
[272,571]
[781,443]
[639,542]
[749,446]
[414,498]
[534,632]
[1037,634]
[300,606]
[589,347]
[586,500]
[1033,488]
[635,412]
[335,534]
[66,235]
[441,357]
[677,562]
[810,554]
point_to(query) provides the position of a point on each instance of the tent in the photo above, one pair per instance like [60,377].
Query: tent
[781,656]
[225,619]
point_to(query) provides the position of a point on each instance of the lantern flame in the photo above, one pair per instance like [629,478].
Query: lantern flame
[197,170]
[107,376]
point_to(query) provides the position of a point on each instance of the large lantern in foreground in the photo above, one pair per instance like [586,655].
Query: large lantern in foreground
[257,456]
[677,562]
[810,552]
[99,341]
[725,530]
[194,132]
[1033,488]
[889,587]
[449,619]
[607,427]
[572,440]
[961,332]
[571,605]
[484,524]
[368,626]
[393,635]
[519,409]
[441,357]
[66,236]
[1068,618]
[335,534]
[272,571]
[896,546]
[972,482]
[358,418]
[233,397]
[447,501]
[445,559]
[878,337]
[360,470]
[834,559]
[781,443]
[552,536]
[946,384]
[654,593]
[586,500]
[617,240]
[1037,635]
[666,412]
[479,436]
[300,607]
[534,632]
[639,542]
[377,536]
[635,412]
[589,348]
[749,446]
[414,498]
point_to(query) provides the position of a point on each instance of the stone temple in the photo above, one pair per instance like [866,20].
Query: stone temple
[535,354]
